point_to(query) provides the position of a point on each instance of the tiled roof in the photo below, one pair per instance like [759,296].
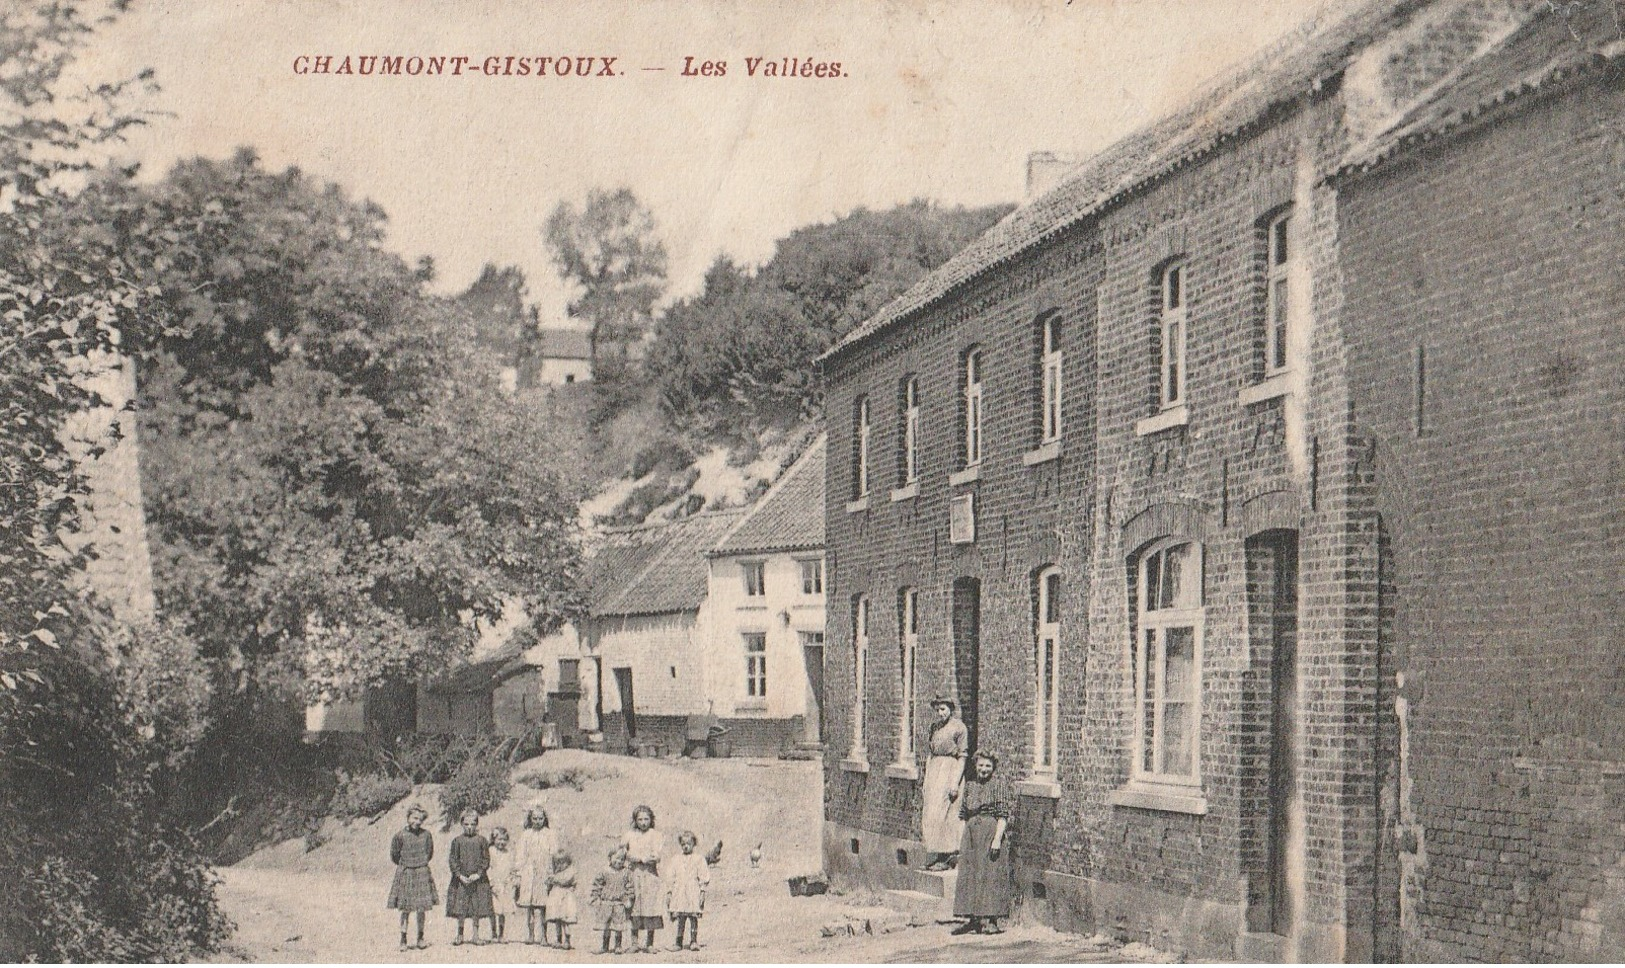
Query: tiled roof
[1544,51]
[790,516]
[565,344]
[1288,71]
[656,568]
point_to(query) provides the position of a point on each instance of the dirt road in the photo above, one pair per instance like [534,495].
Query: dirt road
[326,904]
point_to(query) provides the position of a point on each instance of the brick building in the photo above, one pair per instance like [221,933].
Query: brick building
[1235,486]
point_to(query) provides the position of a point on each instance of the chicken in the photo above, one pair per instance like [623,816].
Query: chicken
[756,856]
[714,857]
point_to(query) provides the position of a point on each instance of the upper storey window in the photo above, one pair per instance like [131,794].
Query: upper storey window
[1172,328]
[973,408]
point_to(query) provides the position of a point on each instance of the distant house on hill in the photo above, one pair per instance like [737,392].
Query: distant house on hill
[561,356]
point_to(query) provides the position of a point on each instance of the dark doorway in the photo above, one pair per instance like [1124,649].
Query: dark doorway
[623,685]
[812,656]
[391,710]
[1272,580]
[967,624]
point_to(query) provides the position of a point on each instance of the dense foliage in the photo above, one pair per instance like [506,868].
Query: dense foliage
[337,486]
[741,355]
[94,716]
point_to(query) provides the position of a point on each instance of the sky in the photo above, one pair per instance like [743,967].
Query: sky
[938,100]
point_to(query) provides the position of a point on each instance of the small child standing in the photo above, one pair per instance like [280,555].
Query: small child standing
[642,846]
[504,883]
[561,898]
[413,889]
[687,876]
[469,896]
[612,901]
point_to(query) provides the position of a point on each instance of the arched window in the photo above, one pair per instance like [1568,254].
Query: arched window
[1050,382]
[1171,325]
[860,448]
[1168,661]
[909,464]
[973,408]
[908,647]
[1047,671]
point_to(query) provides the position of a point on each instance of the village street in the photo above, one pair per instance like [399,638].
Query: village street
[326,904]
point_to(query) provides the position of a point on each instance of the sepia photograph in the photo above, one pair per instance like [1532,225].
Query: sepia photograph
[846,481]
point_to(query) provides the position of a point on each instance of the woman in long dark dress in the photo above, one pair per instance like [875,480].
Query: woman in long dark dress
[983,894]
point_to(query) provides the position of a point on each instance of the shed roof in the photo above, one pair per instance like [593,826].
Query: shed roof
[790,516]
[652,569]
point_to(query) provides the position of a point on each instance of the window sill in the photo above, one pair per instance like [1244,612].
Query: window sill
[751,706]
[902,771]
[1175,416]
[1167,798]
[1039,786]
[1043,455]
[1278,385]
[861,504]
[969,475]
[855,765]
[907,492]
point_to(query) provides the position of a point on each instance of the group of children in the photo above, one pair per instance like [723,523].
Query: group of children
[492,879]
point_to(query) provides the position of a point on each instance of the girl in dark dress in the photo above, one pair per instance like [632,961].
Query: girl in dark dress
[470,893]
[983,894]
[413,888]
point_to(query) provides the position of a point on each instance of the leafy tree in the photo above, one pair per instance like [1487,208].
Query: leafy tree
[741,355]
[337,486]
[503,324]
[92,713]
[609,250]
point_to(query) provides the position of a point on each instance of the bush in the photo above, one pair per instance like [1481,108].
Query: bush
[431,757]
[573,777]
[481,783]
[368,795]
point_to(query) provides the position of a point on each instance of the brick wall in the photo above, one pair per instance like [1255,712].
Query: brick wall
[1489,266]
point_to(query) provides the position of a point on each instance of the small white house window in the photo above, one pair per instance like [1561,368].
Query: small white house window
[756,665]
[1168,661]
[911,431]
[860,455]
[1171,371]
[1046,669]
[860,654]
[1050,363]
[1278,293]
[812,576]
[755,573]
[908,645]
[973,408]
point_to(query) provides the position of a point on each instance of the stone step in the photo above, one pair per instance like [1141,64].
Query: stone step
[937,883]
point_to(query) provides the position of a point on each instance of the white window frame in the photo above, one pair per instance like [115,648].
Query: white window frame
[911,431]
[1150,653]
[812,574]
[1173,295]
[1051,382]
[908,650]
[1278,251]
[973,408]
[1047,673]
[861,471]
[860,655]
[758,570]
[755,665]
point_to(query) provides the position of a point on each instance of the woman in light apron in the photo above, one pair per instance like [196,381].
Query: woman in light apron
[944,777]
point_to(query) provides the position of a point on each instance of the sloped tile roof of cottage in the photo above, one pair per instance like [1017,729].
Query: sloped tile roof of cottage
[652,569]
[790,516]
[1296,67]
[564,344]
